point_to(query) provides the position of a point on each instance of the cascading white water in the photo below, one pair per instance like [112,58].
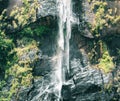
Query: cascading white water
[61,65]
[65,13]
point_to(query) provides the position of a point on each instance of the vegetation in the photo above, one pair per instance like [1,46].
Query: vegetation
[106,17]
[18,48]
[22,76]
[99,55]
[106,61]
[6,54]
[99,7]
[104,50]
[20,41]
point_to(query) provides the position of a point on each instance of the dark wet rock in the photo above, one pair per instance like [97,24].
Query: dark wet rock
[43,66]
[88,81]
[66,93]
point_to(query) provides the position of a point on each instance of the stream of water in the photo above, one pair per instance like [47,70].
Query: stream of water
[64,8]
[58,76]
[65,15]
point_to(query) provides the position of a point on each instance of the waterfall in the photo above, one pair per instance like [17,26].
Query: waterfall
[58,76]
[65,13]
[64,33]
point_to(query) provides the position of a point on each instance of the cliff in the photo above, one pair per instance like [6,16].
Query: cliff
[28,41]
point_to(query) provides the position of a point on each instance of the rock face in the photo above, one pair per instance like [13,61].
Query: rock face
[84,82]
[87,82]
[47,7]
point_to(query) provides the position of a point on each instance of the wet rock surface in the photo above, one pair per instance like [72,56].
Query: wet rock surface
[88,83]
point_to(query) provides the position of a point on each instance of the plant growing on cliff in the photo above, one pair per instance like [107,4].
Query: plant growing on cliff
[19,16]
[25,14]
[20,73]
[106,61]
[18,54]
[100,57]
[35,31]
[105,16]
[21,77]
[6,56]
[99,8]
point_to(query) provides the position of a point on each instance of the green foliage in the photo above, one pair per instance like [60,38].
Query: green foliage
[99,7]
[24,51]
[21,71]
[100,57]
[7,59]
[16,48]
[3,19]
[6,54]
[41,30]
[106,61]
[4,96]
[3,5]
[2,84]
[36,31]
[27,32]
[18,17]
[25,14]
[22,75]
[105,16]
[94,52]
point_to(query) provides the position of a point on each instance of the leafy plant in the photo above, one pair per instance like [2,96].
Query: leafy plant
[106,61]
[6,54]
